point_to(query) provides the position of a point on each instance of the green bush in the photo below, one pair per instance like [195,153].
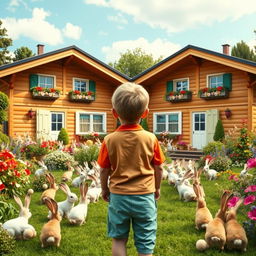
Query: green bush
[213,147]
[221,163]
[219,134]
[34,150]
[57,160]
[7,210]
[7,244]
[144,124]
[63,136]
[3,115]
[4,138]
[4,101]
[87,154]
[37,184]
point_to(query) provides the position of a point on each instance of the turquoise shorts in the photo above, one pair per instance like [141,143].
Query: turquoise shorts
[140,211]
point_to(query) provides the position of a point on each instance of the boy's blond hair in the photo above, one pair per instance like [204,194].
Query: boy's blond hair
[130,100]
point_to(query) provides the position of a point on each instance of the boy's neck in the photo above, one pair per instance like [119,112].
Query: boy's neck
[123,122]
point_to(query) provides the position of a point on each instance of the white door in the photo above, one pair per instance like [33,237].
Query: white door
[43,124]
[199,130]
[57,122]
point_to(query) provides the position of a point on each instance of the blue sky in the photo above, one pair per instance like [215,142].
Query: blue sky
[106,28]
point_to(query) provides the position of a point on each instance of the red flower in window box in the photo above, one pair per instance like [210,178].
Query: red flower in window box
[52,90]
[77,92]
[171,94]
[182,92]
[205,89]
[219,88]
[89,93]
[38,88]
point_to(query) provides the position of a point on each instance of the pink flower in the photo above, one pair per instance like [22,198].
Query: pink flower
[233,177]
[251,163]
[252,214]
[251,188]
[249,199]
[232,202]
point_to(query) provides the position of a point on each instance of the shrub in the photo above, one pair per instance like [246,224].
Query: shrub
[221,163]
[57,160]
[87,154]
[213,147]
[219,131]
[37,184]
[7,211]
[7,244]
[3,115]
[4,138]
[4,101]
[144,124]
[63,136]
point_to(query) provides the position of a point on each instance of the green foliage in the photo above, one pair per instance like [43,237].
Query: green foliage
[133,62]
[35,150]
[144,124]
[87,154]
[242,50]
[22,53]
[4,101]
[212,147]
[37,183]
[3,116]
[7,244]
[219,133]
[5,42]
[63,136]
[7,210]
[4,138]
[94,135]
[57,160]
[221,163]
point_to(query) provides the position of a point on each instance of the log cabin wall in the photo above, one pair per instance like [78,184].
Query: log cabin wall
[23,100]
[237,101]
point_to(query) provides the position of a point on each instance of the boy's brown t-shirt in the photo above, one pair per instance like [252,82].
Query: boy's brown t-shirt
[131,153]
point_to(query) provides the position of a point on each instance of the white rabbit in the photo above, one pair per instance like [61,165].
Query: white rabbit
[211,174]
[83,172]
[19,227]
[41,171]
[64,207]
[94,192]
[244,173]
[169,145]
[77,214]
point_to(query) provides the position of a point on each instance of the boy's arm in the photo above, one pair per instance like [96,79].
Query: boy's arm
[158,178]
[104,174]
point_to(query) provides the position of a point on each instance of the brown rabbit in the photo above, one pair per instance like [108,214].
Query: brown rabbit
[236,236]
[51,232]
[67,176]
[203,215]
[215,235]
[50,192]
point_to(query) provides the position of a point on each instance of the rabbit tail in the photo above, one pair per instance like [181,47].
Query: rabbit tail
[203,226]
[215,239]
[50,240]
[238,242]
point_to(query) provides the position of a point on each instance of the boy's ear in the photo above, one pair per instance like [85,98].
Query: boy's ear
[114,113]
[145,113]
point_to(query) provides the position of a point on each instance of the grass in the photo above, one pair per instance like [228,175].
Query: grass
[176,233]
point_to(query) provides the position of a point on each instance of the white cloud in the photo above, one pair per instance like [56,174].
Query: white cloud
[174,16]
[158,47]
[15,4]
[119,18]
[72,31]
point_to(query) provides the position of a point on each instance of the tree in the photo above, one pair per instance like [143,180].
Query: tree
[242,50]
[63,136]
[22,53]
[5,42]
[219,131]
[133,62]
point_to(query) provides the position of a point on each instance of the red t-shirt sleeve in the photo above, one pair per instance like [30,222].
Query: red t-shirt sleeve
[103,159]
[159,157]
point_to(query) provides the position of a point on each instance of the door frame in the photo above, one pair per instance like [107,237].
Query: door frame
[192,130]
[63,121]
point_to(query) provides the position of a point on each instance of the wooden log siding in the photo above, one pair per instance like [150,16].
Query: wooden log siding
[23,101]
[237,101]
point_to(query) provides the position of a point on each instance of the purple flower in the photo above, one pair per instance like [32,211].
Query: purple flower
[232,202]
[251,188]
[249,199]
[252,214]
[251,163]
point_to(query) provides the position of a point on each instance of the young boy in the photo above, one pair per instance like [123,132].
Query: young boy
[130,159]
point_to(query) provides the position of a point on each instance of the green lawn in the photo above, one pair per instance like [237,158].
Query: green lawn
[176,232]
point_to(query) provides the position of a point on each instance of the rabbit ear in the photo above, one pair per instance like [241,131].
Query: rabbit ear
[63,187]
[48,203]
[206,161]
[85,189]
[195,187]
[224,200]
[54,206]
[27,201]
[199,172]
[18,201]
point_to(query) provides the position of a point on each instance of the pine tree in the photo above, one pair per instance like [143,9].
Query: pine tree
[144,124]
[5,42]
[219,133]
[63,136]
[242,50]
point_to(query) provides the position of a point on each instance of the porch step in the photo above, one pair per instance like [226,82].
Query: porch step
[185,154]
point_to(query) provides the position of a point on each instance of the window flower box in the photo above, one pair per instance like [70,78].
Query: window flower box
[213,93]
[45,93]
[84,97]
[179,96]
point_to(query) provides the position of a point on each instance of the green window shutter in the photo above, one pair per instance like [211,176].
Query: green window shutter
[227,81]
[92,87]
[33,81]
[169,87]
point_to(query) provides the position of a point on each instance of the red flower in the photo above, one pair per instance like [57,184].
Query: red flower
[16,173]
[89,93]
[171,94]
[77,92]
[39,89]
[44,144]
[205,89]
[6,155]
[249,199]
[2,187]
[52,90]
[252,214]
[182,92]
[219,88]
[232,202]
[251,188]
[27,171]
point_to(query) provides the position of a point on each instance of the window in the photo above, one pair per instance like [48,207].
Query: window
[45,81]
[169,121]
[181,84]
[57,121]
[90,122]
[215,80]
[81,85]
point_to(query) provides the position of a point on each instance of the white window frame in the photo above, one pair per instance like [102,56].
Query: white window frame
[166,124]
[104,114]
[54,79]
[63,120]
[208,78]
[81,79]
[177,80]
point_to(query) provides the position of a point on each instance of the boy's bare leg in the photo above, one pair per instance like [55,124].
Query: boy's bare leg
[119,246]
